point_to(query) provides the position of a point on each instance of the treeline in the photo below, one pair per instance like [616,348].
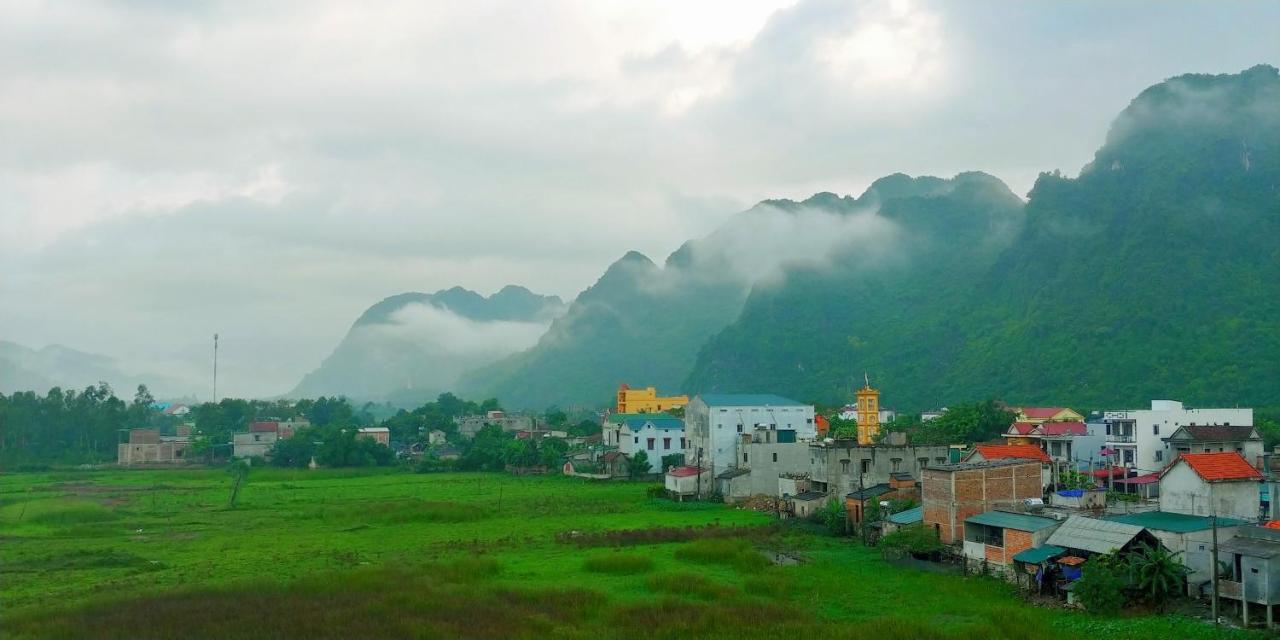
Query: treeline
[71,426]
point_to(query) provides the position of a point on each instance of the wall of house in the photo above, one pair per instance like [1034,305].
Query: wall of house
[839,464]
[951,496]
[665,443]
[1152,425]
[1182,490]
[768,460]
[718,431]
[252,445]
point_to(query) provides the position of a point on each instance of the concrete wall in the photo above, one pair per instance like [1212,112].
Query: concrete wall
[252,445]
[768,460]
[1162,420]
[1182,490]
[717,431]
[839,465]
[665,443]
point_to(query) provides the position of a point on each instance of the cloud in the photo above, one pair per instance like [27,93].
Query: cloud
[438,329]
[269,170]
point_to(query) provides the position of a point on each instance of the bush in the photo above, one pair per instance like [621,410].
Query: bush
[656,491]
[916,540]
[620,564]
[736,553]
[1101,586]
[688,584]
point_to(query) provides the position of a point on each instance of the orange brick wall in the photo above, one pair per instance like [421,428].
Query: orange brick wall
[1015,542]
[950,497]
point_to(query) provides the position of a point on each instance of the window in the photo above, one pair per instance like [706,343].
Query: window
[682,444]
[637,440]
[1155,429]
[650,443]
[844,466]
[924,462]
[896,463]
[940,460]
[775,456]
[666,443]
[808,420]
[744,456]
[866,466]
[1159,456]
[739,428]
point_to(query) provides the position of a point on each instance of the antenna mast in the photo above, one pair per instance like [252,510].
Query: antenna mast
[215,368]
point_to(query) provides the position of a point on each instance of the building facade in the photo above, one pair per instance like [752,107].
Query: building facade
[715,426]
[1212,484]
[147,446]
[1138,435]
[657,435]
[646,400]
[844,466]
[952,493]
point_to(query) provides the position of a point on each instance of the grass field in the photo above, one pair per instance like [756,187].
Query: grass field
[334,554]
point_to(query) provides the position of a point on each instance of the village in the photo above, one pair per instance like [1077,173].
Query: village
[1190,487]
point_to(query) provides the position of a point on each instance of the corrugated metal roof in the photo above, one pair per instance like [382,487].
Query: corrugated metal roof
[748,400]
[1016,521]
[1097,536]
[1175,522]
[910,516]
[1252,547]
[1036,555]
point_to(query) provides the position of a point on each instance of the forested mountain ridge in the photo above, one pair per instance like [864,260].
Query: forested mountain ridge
[1155,273]
[410,347]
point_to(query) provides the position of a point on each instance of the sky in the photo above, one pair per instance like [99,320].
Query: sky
[267,171]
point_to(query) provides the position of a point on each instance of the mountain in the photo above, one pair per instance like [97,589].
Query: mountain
[410,347]
[26,369]
[644,324]
[1154,273]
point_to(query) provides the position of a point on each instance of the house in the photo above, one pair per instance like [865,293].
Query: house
[984,452]
[952,493]
[380,435]
[902,519]
[1204,438]
[257,441]
[614,464]
[901,486]
[1084,537]
[1191,536]
[147,446]
[469,426]
[656,434]
[767,454]
[177,410]
[686,481]
[806,504]
[932,414]
[993,538]
[1137,436]
[1078,499]
[435,437]
[843,466]
[646,400]
[715,425]
[1212,484]
[1041,415]
[1069,445]
[1253,556]
[734,484]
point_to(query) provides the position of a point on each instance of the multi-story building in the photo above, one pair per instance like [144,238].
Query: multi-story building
[843,466]
[646,400]
[952,493]
[469,426]
[656,434]
[1138,436]
[1242,439]
[715,426]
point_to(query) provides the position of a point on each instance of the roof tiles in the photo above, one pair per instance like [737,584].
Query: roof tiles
[1019,451]
[1218,467]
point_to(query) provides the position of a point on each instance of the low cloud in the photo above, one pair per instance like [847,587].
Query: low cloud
[438,329]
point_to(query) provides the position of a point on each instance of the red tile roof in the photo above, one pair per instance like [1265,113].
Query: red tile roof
[1272,524]
[1022,428]
[263,427]
[1020,451]
[1063,429]
[684,472]
[1214,467]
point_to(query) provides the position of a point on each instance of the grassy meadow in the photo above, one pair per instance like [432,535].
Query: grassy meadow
[360,553]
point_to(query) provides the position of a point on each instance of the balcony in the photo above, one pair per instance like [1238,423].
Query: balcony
[1122,438]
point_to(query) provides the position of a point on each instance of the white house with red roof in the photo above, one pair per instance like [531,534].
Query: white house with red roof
[1212,484]
[1139,436]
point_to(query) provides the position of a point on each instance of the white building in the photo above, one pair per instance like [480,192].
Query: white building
[1212,484]
[253,444]
[720,427]
[656,434]
[1139,435]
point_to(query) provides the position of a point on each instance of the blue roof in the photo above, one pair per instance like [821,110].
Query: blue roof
[910,516]
[1016,521]
[659,422]
[748,400]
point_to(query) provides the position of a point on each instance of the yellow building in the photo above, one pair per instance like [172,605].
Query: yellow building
[646,400]
[868,413]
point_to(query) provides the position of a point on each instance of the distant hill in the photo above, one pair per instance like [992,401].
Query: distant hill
[410,347]
[26,369]
[1154,273]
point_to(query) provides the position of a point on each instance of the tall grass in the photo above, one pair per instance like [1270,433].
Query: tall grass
[618,564]
[739,554]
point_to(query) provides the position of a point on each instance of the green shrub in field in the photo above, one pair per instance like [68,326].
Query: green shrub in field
[70,512]
[768,585]
[618,564]
[688,584]
[421,511]
[739,554]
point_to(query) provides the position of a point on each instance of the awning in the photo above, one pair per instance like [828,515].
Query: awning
[1109,452]
[1150,478]
[1071,561]
[1036,555]
[1116,472]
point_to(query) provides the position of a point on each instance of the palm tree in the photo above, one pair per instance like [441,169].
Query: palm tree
[1158,573]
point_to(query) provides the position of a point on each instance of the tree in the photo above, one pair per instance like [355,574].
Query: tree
[1101,585]
[638,465]
[295,451]
[832,514]
[556,418]
[916,540]
[1157,572]
[672,460]
[841,428]
[552,450]
[520,453]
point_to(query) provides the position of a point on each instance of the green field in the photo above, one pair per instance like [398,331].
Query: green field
[319,554]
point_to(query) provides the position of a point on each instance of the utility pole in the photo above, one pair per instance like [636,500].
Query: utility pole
[215,368]
[1213,566]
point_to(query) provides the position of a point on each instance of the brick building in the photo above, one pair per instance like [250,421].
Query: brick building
[951,493]
[995,537]
[147,446]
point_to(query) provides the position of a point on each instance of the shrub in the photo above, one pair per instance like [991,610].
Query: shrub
[736,553]
[1101,585]
[618,564]
[688,584]
[915,540]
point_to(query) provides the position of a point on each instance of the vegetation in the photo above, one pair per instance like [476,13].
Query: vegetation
[918,541]
[156,554]
[1102,583]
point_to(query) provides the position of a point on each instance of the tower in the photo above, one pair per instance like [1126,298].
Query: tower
[868,412]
